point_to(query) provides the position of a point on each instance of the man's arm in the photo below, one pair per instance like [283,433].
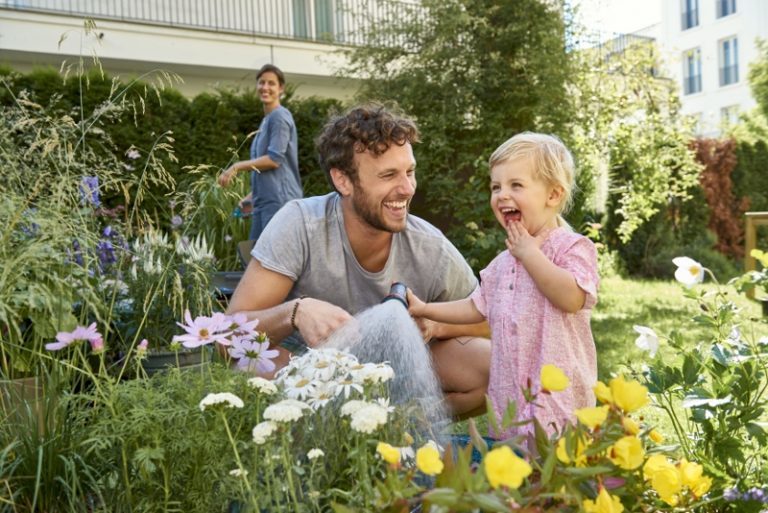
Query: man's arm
[261,295]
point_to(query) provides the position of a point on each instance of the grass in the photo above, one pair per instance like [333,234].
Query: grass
[660,305]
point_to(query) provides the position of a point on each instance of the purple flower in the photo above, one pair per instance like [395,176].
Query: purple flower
[107,231]
[133,154]
[97,345]
[176,221]
[203,330]
[731,494]
[254,356]
[78,253]
[89,190]
[80,334]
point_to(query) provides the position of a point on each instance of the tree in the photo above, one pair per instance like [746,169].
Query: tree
[473,73]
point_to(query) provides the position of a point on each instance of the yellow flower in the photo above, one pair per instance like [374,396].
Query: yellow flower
[504,468]
[667,483]
[630,426]
[388,453]
[604,503]
[592,417]
[656,436]
[628,395]
[603,393]
[553,379]
[562,453]
[627,452]
[761,256]
[665,478]
[693,477]
[428,460]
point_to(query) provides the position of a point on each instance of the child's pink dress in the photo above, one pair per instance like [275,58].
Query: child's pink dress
[527,332]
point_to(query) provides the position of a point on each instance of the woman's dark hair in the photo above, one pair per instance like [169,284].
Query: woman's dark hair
[370,127]
[274,69]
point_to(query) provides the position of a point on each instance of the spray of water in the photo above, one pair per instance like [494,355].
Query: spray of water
[386,333]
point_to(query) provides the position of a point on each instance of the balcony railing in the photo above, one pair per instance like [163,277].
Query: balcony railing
[692,84]
[729,75]
[324,21]
[690,19]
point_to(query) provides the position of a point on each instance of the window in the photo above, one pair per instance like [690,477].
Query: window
[725,7]
[729,61]
[729,115]
[690,13]
[692,71]
[319,15]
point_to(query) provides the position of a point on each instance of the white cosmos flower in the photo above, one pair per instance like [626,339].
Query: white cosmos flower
[264,386]
[648,340]
[369,418]
[225,398]
[351,407]
[689,272]
[262,431]
[315,453]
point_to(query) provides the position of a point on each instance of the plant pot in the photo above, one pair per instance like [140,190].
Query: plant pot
[159,361]
[21,398]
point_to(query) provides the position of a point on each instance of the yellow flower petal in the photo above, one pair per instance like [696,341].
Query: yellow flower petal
[562,453]
[656,436]
[604,503]
[388,453]
[630,426]
[553,379]
[428,460]
[603,393]
[504,468]
[627,453]
[592,417]
[628,395]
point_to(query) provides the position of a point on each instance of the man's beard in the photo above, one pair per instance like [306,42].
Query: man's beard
[374,218]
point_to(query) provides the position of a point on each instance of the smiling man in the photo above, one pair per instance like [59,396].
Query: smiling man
[323,259]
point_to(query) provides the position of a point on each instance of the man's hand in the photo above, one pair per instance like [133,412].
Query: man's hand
[317,319]
[227,176]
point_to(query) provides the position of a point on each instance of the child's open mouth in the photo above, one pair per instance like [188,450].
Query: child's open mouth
[511,214]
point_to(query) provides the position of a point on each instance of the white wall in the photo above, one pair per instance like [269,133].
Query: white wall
[748,23]
[204,59]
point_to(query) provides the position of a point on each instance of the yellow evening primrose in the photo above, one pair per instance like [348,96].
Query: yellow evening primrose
[562,453]
[667,483]
[504,468]
[693,477]
[553,379]
[603,393]
[655,462]
[428,460]
[630,426]
[628,395]
[603,503]
[627,453]
[388,453]
[656,436]
[593,416]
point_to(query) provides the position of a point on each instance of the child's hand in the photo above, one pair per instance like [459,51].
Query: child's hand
[416,306]
[520,242]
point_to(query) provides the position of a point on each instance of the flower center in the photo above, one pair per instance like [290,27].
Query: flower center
[204,333]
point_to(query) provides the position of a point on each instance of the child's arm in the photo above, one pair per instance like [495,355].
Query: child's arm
[462,311]
[557,284]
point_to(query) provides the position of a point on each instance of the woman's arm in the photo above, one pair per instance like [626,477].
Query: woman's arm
[263,163]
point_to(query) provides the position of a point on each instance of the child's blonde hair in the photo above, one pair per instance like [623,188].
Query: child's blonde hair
[551,160]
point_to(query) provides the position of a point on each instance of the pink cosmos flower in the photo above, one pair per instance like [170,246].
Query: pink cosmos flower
[242,327]
[201,331]
[141,349]
[97,345]
[80,334]
[253,356]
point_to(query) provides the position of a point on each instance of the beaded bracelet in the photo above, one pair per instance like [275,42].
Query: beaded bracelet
[293,313]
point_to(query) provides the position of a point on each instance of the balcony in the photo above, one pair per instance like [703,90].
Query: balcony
[729,75]
[321,21]
[689,19]
[692,84]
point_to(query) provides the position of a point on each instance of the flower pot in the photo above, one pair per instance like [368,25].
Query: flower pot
[159,361]
[21,398]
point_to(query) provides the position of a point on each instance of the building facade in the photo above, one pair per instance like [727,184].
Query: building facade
[206,43]
[708,46]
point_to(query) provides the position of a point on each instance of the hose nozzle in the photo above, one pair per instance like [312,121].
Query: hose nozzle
[397,291]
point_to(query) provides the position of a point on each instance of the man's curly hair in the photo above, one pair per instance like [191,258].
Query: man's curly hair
[371,127]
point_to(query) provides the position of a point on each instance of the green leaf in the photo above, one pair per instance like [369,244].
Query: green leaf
[720,355]
[586,471]
[488,502]
[442,496]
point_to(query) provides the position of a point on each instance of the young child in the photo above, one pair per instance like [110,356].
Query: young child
[538,295]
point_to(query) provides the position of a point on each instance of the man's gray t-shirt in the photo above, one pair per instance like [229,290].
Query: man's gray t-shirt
[306,241]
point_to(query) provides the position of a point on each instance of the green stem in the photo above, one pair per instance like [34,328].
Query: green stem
[240,466]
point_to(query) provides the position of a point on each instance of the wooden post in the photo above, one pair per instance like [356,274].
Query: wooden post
[754,219]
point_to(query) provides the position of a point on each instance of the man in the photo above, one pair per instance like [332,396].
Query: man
[323,259]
